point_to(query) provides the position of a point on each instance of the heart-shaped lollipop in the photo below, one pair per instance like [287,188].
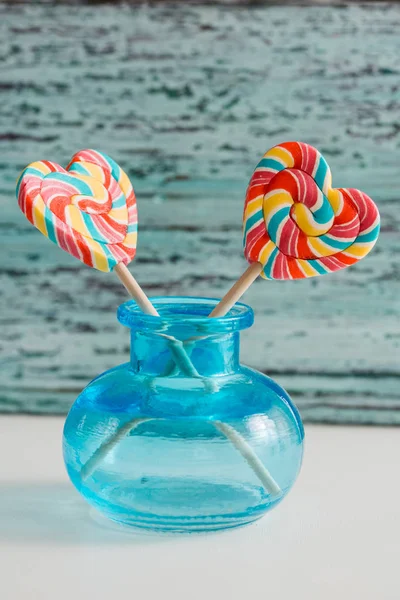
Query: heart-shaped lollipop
[88,209]
[295,225]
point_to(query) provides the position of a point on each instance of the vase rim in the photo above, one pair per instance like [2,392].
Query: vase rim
[185,312]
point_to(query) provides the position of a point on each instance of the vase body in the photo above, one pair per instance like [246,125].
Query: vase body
[183,437]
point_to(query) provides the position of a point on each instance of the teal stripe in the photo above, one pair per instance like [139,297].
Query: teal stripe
[92,229]
[369,237]
[276,221]
[80,169]
[32,171]
[333,242]
[320,175]
[49,217]
[253,220]
[132,227]
[110,258]
[318,267]
[114,167]
[270,262]
[119,202]
[19,184]
[270,163]
[325,213]
[82,186]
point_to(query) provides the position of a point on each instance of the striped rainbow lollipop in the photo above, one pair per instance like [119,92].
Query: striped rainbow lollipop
[88,209]
[296,225]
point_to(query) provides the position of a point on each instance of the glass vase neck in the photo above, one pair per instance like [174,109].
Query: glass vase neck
[183,341]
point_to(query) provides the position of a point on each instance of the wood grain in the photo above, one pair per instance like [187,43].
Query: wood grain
[187,100]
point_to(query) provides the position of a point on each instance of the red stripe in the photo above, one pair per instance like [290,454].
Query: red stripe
[365,207]
[84,249]
[53,167]
[253,252]
[337,261]
[285,180]
[294,149]
[288,238]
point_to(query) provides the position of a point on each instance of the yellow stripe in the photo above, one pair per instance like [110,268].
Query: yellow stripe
[335,200]
[255,201]
[38,212]
[253,207]
[97,188]
[95,171]
[39,166]
[119,214]
[320,248]
[99,258]
[276,201]
[302,216]
[73,217]
[265,252]
[124,183]
[281,154]
[308,270]
[359,250]
[131,240]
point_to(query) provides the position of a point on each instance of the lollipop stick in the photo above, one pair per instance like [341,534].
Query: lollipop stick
[228,431]
[237,290]
[229,300]
[178,352]
[102,451]
[249,456]
[132,286]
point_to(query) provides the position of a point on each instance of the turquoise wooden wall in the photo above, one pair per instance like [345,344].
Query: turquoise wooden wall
[187,100]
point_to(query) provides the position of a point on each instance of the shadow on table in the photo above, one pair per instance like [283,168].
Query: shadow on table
[47,512]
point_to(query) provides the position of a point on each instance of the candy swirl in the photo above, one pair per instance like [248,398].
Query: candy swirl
[296,225]
[88,209]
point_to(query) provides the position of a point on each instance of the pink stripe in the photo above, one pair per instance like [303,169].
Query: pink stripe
[255,233]
[310,157]
[288,238]
[331,263]
[113,234]
[280,268]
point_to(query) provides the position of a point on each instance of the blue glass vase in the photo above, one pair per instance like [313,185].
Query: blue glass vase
[183,437]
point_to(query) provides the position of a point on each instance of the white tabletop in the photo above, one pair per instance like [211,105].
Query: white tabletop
[337,535]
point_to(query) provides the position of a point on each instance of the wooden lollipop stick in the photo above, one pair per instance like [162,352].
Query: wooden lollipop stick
[179,353]
[238,442]
[103,450]
[228,301]
[249,456]
[134,289]
[237,290]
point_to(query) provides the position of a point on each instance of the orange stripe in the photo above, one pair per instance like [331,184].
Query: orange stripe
[256,249]
[284,180]
[347,260]
[295,151]
[294,268]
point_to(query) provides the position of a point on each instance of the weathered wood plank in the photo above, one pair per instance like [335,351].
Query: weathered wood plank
[187,100]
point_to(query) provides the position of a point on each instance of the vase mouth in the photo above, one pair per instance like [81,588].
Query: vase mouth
[185,313]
